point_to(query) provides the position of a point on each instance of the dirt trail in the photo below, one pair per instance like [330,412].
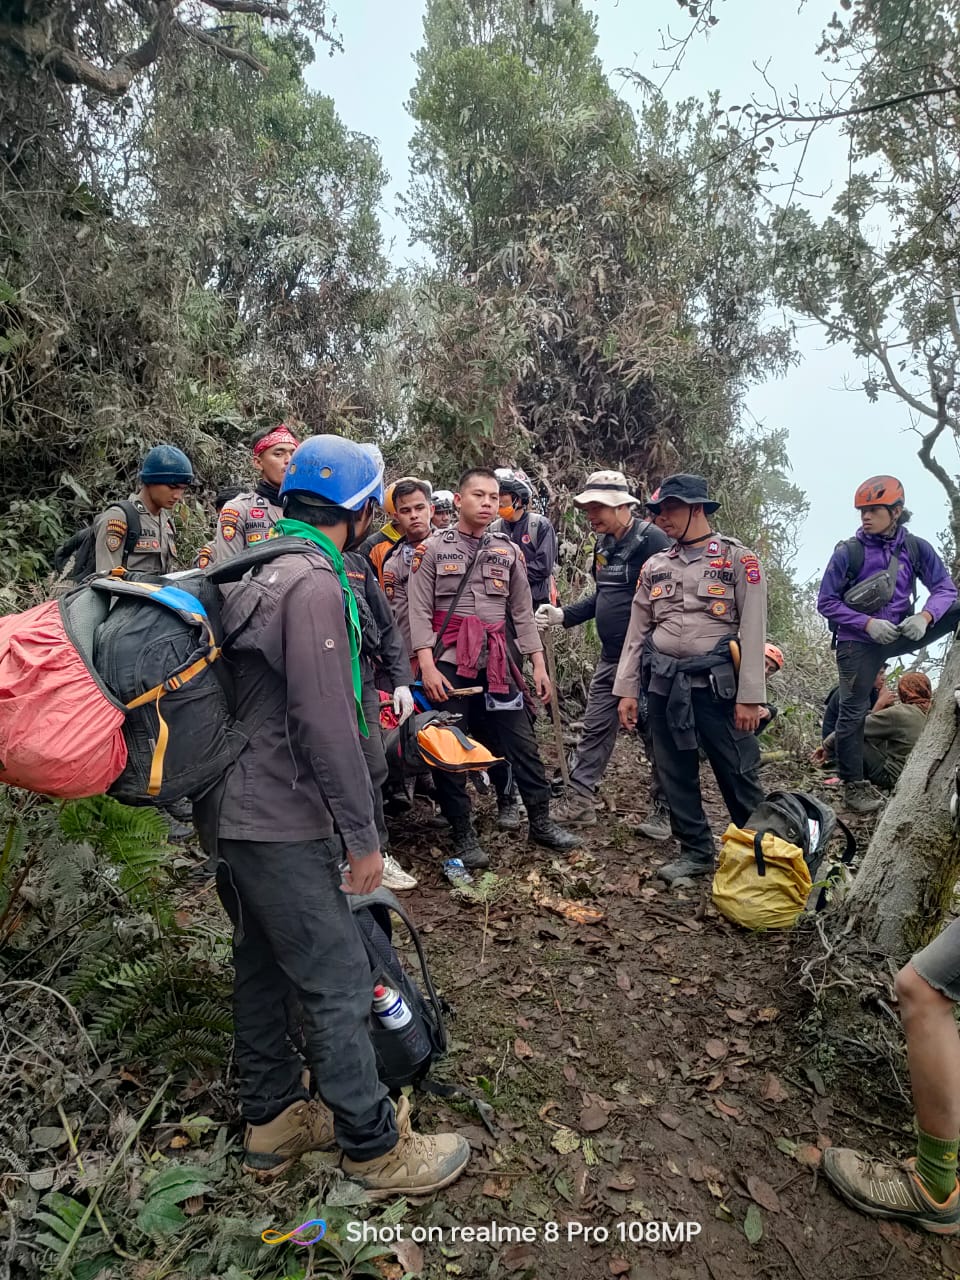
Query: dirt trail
[649,1067]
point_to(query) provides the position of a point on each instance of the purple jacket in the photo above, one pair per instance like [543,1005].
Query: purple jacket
[878,553]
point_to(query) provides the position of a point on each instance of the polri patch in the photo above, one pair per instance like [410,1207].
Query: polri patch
[718,608]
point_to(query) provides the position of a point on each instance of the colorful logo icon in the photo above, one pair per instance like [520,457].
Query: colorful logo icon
[297,1234]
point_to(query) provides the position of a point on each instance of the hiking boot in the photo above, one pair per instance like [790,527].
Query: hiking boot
[657,825]
[577,807]
[508,813]
[885,1190]
[417,1165]
[545,831]
[270,1149]
[466,846]
[860,797]
[685,869]
[394,876]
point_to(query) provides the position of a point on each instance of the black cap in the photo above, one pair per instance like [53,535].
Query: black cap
[685,488]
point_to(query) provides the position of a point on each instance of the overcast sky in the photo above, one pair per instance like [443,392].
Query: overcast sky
[836,437]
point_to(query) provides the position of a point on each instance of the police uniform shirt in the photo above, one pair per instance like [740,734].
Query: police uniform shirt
[497,586]
[395,581]
[244,521]
[536,539]
[690,598]
[155,550]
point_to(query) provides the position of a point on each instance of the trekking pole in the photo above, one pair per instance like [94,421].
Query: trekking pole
[555,703]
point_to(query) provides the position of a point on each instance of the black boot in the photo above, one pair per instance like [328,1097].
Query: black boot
[466,846]
[545,831]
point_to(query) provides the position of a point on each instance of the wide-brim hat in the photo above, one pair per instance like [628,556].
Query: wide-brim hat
[609,488]
[684,487]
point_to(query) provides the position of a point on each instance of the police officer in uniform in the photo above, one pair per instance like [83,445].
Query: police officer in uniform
[624,544]
[691,602]
[465,585]
[165,476]
[248,518]
[532,534]
[413,509]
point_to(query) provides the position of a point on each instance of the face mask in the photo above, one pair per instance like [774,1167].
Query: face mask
[508,512]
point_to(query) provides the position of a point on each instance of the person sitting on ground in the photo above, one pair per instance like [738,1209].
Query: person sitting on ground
[868,596]
[772,664]
[923,1191]
[892,733]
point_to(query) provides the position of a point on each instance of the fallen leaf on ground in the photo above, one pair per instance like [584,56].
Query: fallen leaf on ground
[622,1182]
[764,1194]
[570,1074]
[618,1266]
[497,1188]
[518,1257]
[547,1108]
[592,1118]
[716,1049]
[179,1141]
[753,1224]
[522,1049]
[738,1015]
[410,1256]
[786,1145]
[715,1082]
[575,911]
[809,1156]
[623,980]
[668,1119]
[733,1112]
[768,1015]
[565,1141]
[773,1090]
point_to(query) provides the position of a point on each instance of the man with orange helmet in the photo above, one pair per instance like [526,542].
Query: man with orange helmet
[376,546]
[868,597]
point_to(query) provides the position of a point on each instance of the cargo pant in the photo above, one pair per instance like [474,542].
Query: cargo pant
[601,724]
[294,939]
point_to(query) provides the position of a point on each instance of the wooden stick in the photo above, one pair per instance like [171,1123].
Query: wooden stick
[555,703]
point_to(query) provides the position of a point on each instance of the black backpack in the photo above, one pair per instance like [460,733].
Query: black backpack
[76,559]
[405,1056]
[802,820]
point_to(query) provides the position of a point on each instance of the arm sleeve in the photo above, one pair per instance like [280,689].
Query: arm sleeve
[392,655]
[881,724]
[627,681]
[830,604]
[420,597]
[751,598]
[107,558]
[580,611]
[520,609]
[229,539]
[321,708]
[936,579]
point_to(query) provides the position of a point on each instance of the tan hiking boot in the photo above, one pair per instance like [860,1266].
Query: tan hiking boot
[270,1149]
[416,1166]
[886,1190]
[577,808]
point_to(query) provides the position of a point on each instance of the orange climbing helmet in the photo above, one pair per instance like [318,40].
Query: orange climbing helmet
[774,654]
[879,491]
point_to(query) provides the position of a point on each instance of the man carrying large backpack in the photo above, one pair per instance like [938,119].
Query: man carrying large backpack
[296,802]
[138,535]
[868,597]
[248,518]
[624,543]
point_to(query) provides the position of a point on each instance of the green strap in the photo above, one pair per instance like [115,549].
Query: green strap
[299,529]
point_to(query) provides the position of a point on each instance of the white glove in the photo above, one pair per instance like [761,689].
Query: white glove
[881,631]
[914,628]
[548,615]
[403,707]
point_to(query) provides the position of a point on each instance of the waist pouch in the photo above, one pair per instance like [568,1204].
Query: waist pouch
[872,593]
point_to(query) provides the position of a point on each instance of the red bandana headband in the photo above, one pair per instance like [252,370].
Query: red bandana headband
[280,435]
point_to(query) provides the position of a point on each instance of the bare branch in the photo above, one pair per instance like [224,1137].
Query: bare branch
[262,10]
[769,120]
[228,51]
[71,68]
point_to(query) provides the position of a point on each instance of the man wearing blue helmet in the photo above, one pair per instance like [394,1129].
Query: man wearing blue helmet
[138,534]
[296,804]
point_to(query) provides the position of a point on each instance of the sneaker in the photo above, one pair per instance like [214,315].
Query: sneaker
[684,869]
[577,807]
[657,825]
[508,813]
[860,797]
[416,1166]
[885,1190]
[394,876]
[270,1149]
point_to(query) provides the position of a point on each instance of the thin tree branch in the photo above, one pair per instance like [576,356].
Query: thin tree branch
[228,51]
[775,118]
[273,11]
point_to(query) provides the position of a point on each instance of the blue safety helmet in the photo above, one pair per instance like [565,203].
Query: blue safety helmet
[165,464]
[336,472]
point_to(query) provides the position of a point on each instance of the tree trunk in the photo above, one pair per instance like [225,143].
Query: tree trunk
[905,885]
